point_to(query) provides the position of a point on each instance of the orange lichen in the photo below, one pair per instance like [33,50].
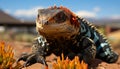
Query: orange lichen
[6,57]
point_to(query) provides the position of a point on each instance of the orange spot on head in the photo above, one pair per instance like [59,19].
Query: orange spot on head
[73,18]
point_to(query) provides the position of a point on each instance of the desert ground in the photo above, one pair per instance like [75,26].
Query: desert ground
[25,47]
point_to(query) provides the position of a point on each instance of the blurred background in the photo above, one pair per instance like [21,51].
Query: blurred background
[17,17]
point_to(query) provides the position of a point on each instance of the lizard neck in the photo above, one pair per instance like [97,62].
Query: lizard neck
[61,39]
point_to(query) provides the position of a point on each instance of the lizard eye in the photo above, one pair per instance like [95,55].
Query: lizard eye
[60,17]
[38,16]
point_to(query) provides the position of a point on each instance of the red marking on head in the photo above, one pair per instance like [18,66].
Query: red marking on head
[73,18]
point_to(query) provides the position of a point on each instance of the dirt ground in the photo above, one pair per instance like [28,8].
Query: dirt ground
[23,47]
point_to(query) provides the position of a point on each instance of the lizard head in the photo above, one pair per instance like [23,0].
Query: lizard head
[56,22]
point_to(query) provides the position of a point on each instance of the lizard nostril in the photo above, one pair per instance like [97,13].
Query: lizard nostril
[46,23]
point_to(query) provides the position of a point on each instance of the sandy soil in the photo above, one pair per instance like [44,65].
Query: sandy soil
[23,47]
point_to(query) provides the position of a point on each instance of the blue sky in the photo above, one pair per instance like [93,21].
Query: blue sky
[84,8]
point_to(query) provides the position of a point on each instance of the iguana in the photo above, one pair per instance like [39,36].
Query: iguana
[61,31]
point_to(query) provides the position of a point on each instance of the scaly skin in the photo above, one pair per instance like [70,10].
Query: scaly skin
[61,31]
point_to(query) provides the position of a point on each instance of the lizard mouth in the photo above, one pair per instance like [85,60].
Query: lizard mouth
[56,30]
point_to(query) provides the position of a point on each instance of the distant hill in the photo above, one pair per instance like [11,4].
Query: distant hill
[5,18]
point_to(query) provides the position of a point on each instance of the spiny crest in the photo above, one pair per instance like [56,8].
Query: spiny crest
[73,20]
[63,8]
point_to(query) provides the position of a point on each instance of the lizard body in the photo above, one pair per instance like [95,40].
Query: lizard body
[61,31]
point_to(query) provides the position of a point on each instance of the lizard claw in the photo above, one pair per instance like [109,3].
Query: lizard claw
[31,59]
[22,57]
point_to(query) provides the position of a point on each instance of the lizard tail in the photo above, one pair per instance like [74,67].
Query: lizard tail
[108,56]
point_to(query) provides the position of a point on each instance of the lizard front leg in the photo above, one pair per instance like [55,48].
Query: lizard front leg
[38,53]
[89,50]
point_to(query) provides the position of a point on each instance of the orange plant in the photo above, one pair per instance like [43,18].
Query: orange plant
[69,64]
[6,57]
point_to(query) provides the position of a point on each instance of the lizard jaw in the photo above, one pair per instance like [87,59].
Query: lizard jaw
[56,30]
